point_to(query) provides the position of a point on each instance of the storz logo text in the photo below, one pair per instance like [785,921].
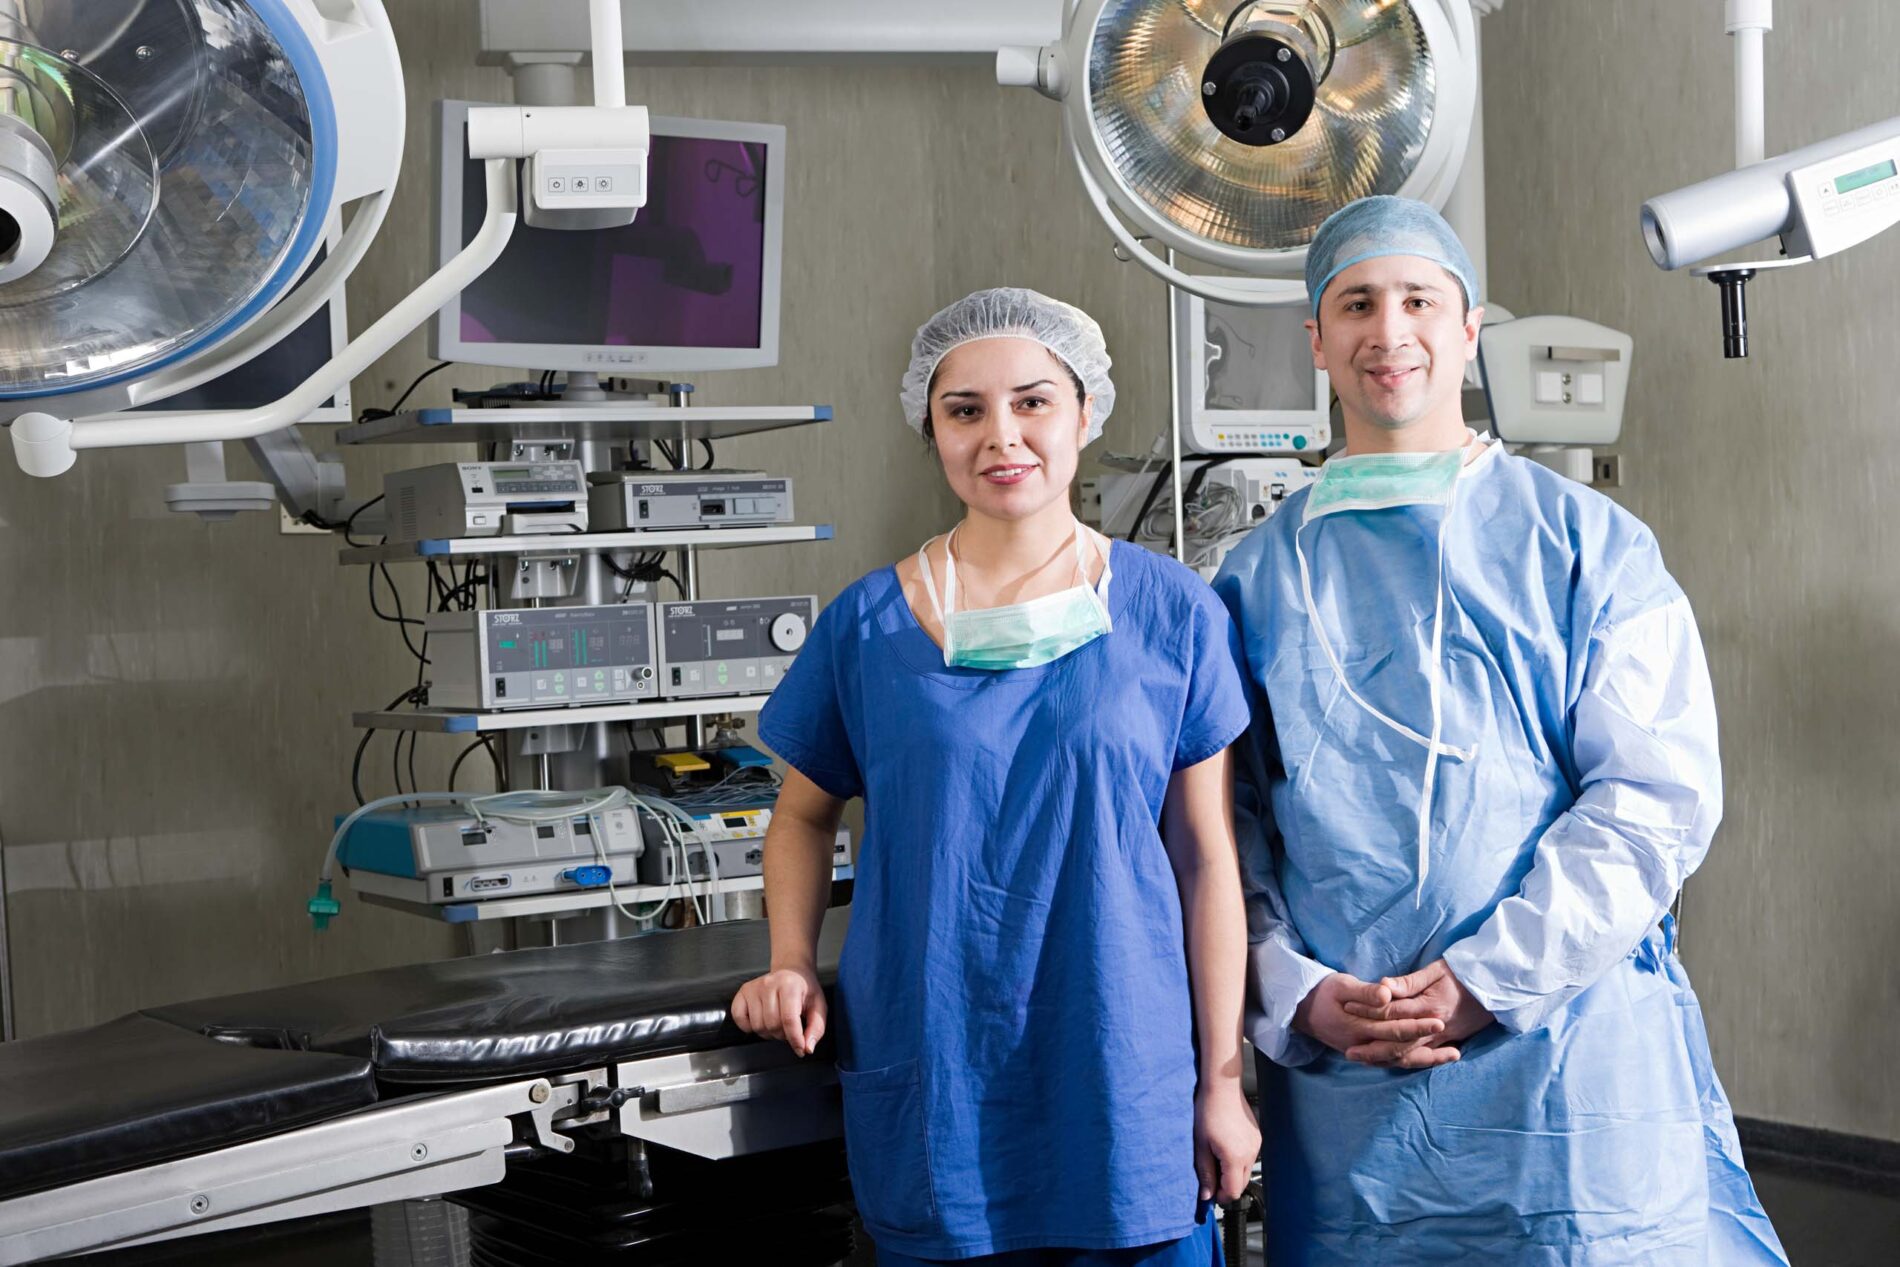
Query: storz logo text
[504,618]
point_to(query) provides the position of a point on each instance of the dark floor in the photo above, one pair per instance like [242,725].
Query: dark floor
[1828,1225]
[1822,1224]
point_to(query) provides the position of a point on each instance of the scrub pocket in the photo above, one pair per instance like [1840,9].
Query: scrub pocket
[888,1149]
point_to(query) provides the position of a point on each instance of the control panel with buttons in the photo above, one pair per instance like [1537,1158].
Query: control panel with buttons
[580,180]
[734,646]
[547,657]
[1845,200]
[689,499]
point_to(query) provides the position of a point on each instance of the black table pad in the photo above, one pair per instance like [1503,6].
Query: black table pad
[172,1081]
[519,1013]
[136,1091]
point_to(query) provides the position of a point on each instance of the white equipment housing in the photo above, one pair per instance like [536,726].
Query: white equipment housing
[1555,380]
[1247,379]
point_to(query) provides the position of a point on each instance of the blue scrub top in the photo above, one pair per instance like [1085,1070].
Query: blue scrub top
[1015,1035]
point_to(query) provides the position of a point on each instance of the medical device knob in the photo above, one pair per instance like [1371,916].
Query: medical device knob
[788,631]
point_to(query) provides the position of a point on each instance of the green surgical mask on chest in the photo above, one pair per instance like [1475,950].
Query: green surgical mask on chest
[1379,481]
[1019,635]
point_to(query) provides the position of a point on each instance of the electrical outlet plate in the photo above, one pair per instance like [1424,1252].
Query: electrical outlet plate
[288,527]
[1089,501]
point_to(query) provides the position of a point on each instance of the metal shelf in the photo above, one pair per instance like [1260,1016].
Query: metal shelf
[404,895]
[467,721]
[554,544]
[609,421]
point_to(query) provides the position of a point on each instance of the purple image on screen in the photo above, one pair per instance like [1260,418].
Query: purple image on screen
[687,273]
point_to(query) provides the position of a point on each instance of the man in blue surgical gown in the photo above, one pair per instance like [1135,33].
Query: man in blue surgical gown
[1482,762]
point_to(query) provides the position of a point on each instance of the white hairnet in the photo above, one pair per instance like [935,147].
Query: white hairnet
[1385,225]
[1008,312]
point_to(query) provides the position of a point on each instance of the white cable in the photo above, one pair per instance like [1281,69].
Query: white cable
[343,828]
[1154,451]
[715,900]
[613,892]
[533,806]
[679,819]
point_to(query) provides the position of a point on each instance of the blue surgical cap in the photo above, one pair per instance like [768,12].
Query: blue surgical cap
[1385,225]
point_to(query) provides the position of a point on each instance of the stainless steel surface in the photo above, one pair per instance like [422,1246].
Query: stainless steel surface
[582,423]
[713,1092]
[688,556]
[784,1107]
[1174,423]
[592,542]
[393,1152]
[407,896]
[469,722]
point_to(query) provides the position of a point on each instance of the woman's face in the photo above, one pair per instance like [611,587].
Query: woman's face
[1008,426]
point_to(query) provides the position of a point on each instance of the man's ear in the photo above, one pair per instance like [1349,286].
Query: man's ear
[1312,332]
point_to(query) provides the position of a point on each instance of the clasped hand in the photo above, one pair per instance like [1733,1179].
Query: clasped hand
[1411,1022]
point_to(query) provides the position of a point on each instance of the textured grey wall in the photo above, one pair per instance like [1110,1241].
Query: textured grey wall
[1769,483]
[175,698]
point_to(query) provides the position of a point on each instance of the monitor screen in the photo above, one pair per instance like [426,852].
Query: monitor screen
[692,283]
[686,273]
[1259,358]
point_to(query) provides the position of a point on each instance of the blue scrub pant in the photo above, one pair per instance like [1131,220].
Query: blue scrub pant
[1200,1248]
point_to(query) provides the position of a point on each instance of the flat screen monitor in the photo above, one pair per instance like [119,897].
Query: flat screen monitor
[273,373]
[1246,375]
[691,284]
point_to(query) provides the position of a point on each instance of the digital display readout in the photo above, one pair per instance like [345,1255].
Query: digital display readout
[1866,176]
[581,647]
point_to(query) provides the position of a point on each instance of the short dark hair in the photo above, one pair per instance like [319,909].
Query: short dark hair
[930,392]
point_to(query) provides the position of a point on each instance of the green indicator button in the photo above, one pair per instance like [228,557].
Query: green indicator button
[508,646]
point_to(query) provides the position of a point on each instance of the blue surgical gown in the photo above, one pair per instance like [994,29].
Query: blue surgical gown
[1015,1035]
[1587,1126]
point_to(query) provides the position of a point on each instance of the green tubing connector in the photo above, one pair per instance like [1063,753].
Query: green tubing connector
[323,907]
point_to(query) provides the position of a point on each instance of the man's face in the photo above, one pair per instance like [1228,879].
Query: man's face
[1393,335]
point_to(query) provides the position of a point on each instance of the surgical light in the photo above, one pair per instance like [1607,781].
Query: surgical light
[1228,132]
[1819,200]
[167,171]
[166,174]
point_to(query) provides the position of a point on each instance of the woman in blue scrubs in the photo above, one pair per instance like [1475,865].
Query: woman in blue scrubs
[1038,1007]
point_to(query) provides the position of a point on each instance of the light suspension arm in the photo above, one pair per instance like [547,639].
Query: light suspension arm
[1749,22]
[46,445]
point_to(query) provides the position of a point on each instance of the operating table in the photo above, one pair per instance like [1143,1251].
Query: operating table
[587,1103]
